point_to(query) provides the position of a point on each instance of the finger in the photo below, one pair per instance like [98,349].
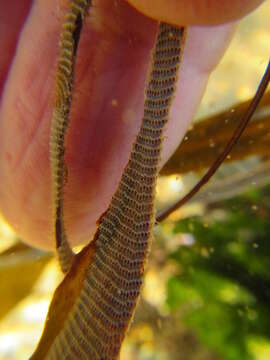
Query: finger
[104,72]
[24,166]
[199,12]
[107,109]
[203,51]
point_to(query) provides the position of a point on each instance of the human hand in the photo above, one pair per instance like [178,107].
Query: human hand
[107,106]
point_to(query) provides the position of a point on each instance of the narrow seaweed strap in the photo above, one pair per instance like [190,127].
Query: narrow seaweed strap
[64,82]
[92,308]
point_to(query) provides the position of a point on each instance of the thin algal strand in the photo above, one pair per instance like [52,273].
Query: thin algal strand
[64,83]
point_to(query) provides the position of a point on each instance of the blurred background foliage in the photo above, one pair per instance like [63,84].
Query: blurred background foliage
[206,293]
[222,287]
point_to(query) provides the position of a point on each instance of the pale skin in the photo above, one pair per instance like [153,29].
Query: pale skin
[108,100]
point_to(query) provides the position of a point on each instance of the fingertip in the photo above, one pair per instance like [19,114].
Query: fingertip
[195,12]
